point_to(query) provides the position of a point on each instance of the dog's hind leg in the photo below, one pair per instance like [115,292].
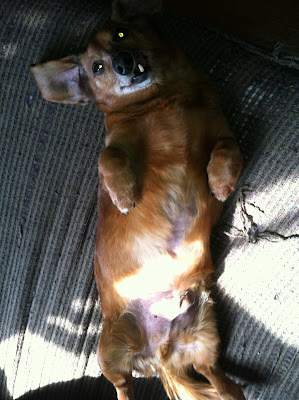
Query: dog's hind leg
[205,360]
[226,388]
[194,341]
[114,358]
[123,384]
[120,341]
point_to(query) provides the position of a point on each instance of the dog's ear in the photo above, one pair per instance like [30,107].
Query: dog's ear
[63,81]
[127,9]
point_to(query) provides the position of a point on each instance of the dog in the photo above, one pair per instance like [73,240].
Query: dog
[169,163]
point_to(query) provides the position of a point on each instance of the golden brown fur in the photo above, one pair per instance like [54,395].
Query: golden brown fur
[169,162]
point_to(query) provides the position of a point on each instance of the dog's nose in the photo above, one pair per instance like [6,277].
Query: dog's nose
[123,63]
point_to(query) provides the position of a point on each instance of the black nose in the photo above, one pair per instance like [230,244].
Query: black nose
[123,63]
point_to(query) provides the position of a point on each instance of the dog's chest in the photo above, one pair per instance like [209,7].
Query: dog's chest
[167,136]
[170,183]
[168,160]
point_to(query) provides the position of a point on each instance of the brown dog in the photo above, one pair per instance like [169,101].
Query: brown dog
[171,155]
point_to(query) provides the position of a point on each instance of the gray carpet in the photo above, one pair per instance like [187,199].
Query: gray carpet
[50,316]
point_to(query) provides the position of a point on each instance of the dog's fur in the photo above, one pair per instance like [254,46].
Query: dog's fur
[169,163]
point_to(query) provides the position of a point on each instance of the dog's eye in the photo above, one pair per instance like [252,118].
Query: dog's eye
[120,34]
[98,67]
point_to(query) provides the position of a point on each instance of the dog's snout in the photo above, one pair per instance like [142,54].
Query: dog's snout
[123,63]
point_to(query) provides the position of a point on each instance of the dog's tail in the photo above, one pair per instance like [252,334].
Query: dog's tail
[180,386]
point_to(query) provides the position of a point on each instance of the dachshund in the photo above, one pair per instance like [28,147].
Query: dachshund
[169,163]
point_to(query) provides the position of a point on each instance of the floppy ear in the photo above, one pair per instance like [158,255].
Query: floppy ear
[63,81]
[126,9]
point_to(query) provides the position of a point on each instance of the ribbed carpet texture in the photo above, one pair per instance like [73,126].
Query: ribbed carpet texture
[50,316]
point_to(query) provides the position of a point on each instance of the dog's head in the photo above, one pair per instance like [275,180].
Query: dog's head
[125,62]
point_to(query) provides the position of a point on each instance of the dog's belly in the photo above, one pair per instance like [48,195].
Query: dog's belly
[163,255]
[160,274]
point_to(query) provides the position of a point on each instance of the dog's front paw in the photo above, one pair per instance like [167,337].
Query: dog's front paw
[224,168]
[118,178]
[122,191]
[219,188]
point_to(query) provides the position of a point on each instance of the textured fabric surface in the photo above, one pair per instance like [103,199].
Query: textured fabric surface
[50,317]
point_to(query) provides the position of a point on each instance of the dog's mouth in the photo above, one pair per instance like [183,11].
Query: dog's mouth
[131,70]
[141,71]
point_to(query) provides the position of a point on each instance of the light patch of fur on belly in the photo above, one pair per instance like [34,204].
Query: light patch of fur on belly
[156,275]
[159,273]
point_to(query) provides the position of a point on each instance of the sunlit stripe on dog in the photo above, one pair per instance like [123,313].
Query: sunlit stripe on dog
[155,273]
